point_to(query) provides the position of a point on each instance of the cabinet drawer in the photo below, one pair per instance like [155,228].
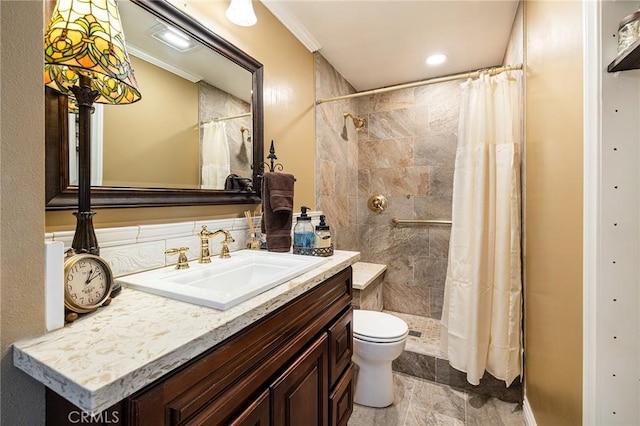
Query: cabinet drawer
[256,414]
[340,345]
[341,399]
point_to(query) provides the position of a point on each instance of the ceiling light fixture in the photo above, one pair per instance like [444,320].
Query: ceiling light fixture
[436,59]
[240,12]
[174,38]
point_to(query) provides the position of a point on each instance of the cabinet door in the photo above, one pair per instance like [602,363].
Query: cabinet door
[340,346]
[256,414]
[301,395]
[341,399]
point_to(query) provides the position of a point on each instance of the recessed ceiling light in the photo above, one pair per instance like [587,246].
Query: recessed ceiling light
[173,37]
[436,59]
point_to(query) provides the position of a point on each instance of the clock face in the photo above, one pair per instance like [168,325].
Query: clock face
[88,282]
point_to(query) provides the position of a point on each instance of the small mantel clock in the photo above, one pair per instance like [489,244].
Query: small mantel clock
[87,284]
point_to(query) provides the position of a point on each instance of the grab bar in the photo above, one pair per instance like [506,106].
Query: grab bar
[396,221]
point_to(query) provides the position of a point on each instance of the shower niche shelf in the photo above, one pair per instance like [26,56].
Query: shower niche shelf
[628,59]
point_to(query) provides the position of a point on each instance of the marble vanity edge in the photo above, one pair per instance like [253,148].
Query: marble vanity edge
[100,397]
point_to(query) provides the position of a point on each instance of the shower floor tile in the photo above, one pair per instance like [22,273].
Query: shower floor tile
[424,334]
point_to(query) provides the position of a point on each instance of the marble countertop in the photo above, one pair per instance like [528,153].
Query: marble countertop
[365,273]
[105,357]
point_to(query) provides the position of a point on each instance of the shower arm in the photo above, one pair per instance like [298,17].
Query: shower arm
[242,130]
[359,123]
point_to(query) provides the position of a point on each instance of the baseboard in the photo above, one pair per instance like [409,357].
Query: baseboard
[529,420]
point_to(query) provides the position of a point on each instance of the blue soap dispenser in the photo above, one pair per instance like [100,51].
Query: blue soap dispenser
[303,235]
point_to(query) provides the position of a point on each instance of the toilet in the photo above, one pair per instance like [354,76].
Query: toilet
[378,339]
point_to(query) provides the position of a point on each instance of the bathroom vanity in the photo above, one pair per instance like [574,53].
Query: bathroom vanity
[282,357]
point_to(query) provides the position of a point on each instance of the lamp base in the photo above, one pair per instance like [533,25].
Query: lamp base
[85,241]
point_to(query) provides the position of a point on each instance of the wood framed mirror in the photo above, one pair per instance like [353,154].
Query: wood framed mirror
[61,192]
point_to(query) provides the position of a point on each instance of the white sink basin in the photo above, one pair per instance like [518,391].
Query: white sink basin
[224,283]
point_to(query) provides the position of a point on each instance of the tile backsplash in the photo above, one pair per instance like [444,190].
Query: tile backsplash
[132,249]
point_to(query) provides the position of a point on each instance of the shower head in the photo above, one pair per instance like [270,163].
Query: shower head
[245,129]
[359,123]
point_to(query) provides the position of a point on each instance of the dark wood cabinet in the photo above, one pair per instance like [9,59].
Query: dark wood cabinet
[340,345]
[258,413]
[341,399]
[299,396]
[291,367]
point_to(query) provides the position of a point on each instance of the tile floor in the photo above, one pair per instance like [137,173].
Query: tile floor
[428,343]
[420,402]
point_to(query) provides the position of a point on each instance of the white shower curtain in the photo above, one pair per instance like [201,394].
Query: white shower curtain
[216,164]
[481,319]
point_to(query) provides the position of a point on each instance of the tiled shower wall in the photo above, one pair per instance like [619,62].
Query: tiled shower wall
[336,156]
[406,153]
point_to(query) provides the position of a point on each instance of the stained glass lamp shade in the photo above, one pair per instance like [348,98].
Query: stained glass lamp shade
[86,59]
[85,38]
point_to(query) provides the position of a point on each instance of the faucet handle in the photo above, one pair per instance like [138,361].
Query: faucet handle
[205,233]
[224,252]
[183,262]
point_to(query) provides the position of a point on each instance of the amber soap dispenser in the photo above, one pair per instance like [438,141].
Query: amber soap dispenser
[323,234]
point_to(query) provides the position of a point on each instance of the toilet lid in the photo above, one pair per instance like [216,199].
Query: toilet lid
[374,326]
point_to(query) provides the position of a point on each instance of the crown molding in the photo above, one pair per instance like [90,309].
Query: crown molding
[280,10]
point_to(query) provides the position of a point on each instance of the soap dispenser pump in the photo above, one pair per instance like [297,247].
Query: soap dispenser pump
[303,236]
[323,234]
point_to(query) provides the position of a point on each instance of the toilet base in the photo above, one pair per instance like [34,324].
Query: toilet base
[374,384]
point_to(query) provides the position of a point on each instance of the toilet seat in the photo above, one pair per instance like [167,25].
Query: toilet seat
[378,327]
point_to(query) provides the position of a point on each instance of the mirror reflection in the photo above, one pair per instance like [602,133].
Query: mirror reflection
[193,126]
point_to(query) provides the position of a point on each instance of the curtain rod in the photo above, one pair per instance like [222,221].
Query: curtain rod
[231,117]
[470,74]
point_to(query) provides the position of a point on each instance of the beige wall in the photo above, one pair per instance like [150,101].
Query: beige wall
[553,248]
[21,203]
[288,116]
[155,141]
